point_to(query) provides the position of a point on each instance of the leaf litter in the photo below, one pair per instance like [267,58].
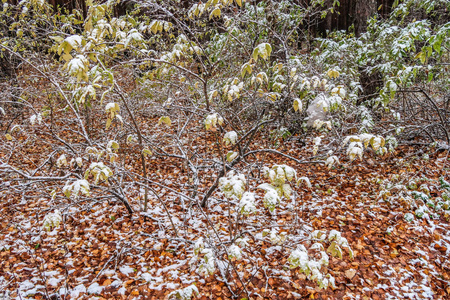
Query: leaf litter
[100,251]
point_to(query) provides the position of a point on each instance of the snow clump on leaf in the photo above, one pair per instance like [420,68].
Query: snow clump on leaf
[233,185]
[52,220]
[75,188]
[247,204]
[230,138]
[184,294]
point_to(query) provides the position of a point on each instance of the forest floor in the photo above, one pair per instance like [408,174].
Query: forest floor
[101,252]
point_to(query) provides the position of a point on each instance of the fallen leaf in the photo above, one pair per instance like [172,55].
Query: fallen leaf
[106,282]
[350,273]
[135,293]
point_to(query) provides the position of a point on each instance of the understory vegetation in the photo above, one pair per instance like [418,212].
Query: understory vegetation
[224,149]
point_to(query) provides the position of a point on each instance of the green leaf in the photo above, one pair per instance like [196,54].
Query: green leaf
[444,184]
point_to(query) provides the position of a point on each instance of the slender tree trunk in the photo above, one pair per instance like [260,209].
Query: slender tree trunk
[364,9]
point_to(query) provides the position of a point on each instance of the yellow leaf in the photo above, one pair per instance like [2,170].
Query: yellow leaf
[108,123]
[66,57]
[335,250]
[246,68]
[262,50]
[56,38]
[67,47]
[154,26]
[278,66]
[239,2]
[166,120]
[272,96]
[93,57]
[297,105]
[333,74]
[147,151]
[215,13]
[8,137]
[231,155]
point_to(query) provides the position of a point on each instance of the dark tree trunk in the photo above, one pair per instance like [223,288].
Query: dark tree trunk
[364,9]
[370,84]
[351,12]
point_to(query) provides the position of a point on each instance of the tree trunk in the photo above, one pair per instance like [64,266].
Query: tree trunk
[364,9]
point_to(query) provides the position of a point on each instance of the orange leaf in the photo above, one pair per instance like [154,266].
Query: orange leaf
[106,282]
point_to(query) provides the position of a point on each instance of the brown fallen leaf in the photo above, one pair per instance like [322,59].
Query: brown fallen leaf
[106,282]
[350,273]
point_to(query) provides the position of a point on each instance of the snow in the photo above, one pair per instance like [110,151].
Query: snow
[235,252]
[54,281]
[50,273]
[62,291]
[165,285]
[116,283]
[79,289]
[74,41]
[52,220]
[247,203]
[127,270]
[230,138]
[271,199]
[95,288]
[147,277]
[109,272]
[317,110]
[26,285]
[232,185]
[185,293]
[172,267]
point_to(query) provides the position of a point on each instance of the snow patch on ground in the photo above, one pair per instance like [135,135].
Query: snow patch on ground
[126,270]
[95,288]
[79,289]
[166,285]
